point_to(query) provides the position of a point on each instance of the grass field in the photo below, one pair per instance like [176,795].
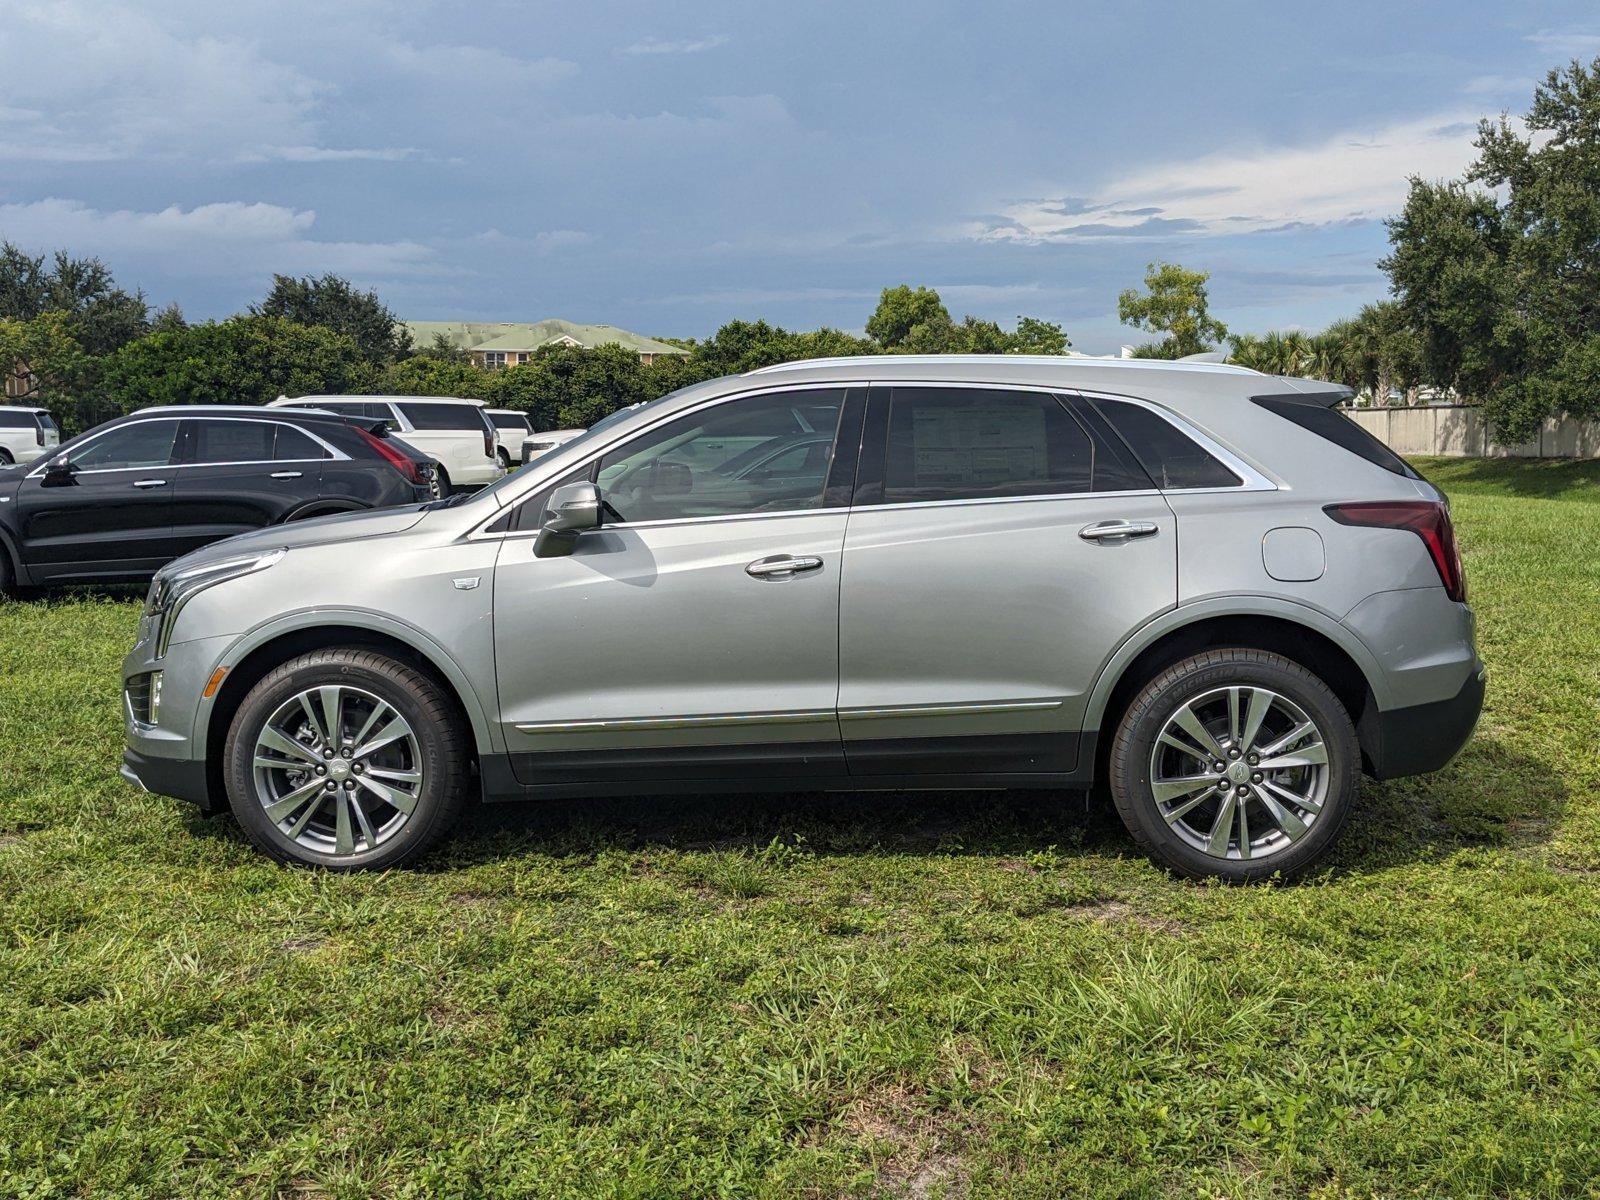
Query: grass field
[976,994]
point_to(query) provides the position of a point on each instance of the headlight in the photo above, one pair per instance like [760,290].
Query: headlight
[170,590]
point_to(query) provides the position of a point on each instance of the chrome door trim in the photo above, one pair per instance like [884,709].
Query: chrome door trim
[717,721]
[947,710]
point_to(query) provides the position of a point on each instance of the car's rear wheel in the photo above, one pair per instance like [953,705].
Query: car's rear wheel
[505,459]
[1235,763]
[5,457]
[439,486]
[347,759]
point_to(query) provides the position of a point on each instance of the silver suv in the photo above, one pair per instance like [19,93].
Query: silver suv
[1197,585]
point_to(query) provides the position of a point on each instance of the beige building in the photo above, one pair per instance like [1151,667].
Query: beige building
[495,344]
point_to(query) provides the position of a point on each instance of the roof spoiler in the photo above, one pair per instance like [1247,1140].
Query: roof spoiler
[1317,391]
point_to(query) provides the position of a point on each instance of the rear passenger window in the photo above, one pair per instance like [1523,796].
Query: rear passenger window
[1338,429]
[1172,458]
[294,445]
[975,443]
[233,442]
[443,416]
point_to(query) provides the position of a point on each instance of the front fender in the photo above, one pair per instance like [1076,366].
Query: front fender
[485,733]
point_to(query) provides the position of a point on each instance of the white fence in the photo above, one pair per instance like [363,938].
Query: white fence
[1459,431]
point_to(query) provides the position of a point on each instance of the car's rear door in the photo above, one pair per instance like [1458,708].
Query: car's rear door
[999,549]
[695,636]
[113,518]
[240,474]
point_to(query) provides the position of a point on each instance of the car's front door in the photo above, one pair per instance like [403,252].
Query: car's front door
[999,550]
[112,516]
[695,635]
[241,474]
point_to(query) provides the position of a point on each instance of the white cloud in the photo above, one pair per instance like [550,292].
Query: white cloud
[652,45]
[225,240]
[1566,43]
[1359,175]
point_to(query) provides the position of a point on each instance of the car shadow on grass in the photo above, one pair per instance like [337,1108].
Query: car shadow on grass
[1541,479]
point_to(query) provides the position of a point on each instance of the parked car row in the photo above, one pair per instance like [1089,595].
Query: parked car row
[1197,585]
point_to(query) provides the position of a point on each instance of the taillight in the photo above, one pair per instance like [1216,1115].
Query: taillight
[488,441]
[1428,519]
[411,470]
[38,433]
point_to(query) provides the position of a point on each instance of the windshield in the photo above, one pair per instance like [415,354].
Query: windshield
[586,436]
[510,421]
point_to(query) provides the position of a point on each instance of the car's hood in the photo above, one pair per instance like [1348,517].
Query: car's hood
[317,531]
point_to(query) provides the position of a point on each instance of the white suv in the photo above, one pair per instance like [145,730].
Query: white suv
[26,432]
[453,431]
[510,428]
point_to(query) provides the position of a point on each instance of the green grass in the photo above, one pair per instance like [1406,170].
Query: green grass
[976,994]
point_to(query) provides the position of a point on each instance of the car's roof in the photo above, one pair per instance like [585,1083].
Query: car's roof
[32,408]
[506,412]
[240,410]
[286,402]
[549,433]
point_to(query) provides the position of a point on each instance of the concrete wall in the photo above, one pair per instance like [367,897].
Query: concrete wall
[1459,431]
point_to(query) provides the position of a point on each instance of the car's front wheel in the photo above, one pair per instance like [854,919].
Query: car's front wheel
[1235,763]
[346,758]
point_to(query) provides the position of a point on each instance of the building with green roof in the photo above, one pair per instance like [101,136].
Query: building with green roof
[507,343]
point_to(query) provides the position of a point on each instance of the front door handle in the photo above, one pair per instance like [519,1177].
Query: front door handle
[1111,531]
[149,483]
[286,474]
[782,566]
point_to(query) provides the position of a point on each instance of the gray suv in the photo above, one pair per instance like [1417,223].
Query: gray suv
[1199,586]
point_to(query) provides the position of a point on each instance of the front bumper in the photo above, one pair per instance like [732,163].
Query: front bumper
[167,755]
[1422,737]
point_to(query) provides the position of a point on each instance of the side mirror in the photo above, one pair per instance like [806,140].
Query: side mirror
[58,472]
[573,508]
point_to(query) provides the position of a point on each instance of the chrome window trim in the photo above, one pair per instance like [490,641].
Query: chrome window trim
[334,453]
[1253,480]
[787,716]
[479,531]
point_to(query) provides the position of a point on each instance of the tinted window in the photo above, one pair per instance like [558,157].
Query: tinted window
[295,444]
[697,466]
[16,420]
[1337,428]
[142,444]
[232,441]
[47,423]
[1172,458]
[973,443]
[443,416]
[510,421]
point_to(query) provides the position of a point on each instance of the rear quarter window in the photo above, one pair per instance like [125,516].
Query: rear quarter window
[1337,428]
[1171,457]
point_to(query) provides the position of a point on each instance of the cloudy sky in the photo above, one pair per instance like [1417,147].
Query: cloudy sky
[668,167]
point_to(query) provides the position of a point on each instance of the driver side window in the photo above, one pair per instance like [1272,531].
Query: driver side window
[767,453]
[143,444]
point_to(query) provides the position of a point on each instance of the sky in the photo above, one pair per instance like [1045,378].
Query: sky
[668,167]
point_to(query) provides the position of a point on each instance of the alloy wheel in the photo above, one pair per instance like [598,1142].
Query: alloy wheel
[1240,772]
[337,769]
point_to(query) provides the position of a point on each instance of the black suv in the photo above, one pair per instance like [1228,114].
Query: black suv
[117,502]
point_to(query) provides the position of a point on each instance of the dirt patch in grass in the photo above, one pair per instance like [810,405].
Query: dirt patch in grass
[917,1154]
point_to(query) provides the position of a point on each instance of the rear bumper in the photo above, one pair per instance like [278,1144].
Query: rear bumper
[1422,737]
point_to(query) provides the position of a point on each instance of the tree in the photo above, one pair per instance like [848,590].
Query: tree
[1501,285]
[335,304]
[1034,336]
[429,375]
[910,320]
[44,364]
[243,360]
[1174,304]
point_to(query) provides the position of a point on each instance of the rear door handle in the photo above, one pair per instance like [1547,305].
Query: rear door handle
[286,474]
[149,483]
[1110,531]
[782,566]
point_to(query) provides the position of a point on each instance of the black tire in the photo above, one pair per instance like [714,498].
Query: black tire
[443,478]
[1160,699]
[5,457]
[8,581]
[441,743]
[504,457]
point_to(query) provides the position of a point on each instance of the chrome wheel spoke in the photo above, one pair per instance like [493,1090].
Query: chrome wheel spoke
[298,825]
[1294,735]
[396,775]
[1314,754]
[313,718]
[1172,789]
[1177,811]
[394,797]
[1260,705]
[392,732]
[1244,826]
[344,841]
[1222,828]
[1187,721]
[280,809]
[1306,802]
[331,715]
[276,739]
[362,819]
[379,711]
[1286,820]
